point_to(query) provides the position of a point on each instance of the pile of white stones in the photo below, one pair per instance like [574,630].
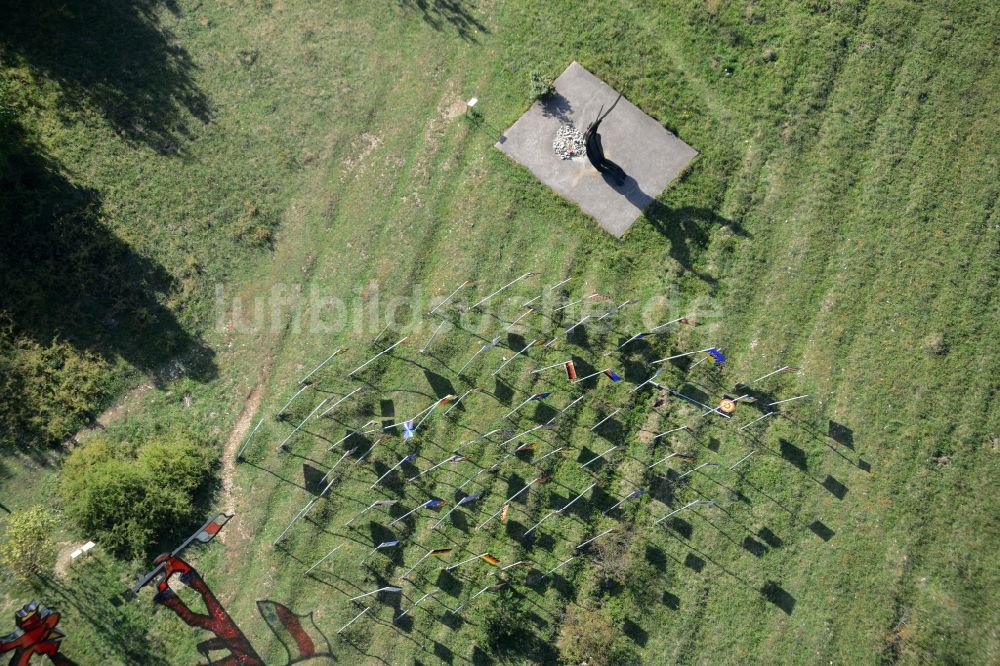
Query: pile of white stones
[569,142]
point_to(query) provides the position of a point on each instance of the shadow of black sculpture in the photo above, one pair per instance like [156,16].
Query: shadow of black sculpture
[112,56]
[438,14]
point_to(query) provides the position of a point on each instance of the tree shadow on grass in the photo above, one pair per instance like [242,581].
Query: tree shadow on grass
[67,277]
[113,56]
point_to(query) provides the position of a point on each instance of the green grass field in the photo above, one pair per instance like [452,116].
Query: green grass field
[841,218]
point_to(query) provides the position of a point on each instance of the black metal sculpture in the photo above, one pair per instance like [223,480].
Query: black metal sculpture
[595,149]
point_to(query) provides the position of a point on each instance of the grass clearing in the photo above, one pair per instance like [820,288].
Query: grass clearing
[841,218]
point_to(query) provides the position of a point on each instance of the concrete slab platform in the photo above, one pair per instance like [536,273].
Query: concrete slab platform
[650,155]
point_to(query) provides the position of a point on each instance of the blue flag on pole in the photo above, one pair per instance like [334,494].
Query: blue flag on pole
[408,430]
[612,375]
[638,492]
[468,499]
[716,355]
[434,503]
[541,395]
[409,458]
[387,544]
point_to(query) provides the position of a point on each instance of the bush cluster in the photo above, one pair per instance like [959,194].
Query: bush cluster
[129,498]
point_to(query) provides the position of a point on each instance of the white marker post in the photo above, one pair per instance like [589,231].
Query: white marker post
[701,466]
[550,453]
[437,330]
[536,525]
[322,559]
[506,502]
[299,427]
[686,506]
[656,329]
[506,286]
[512,324]
[565,409]
[317,368]
[547,290]
[504,364]
[449,297]
[471,599]
[417,564]
[384,544]
[372,359]
[526,401]
[569,330]
[473,558]
[637,336]
[452,458]
[561,364]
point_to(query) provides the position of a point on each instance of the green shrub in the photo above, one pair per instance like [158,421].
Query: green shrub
[29,547]
[128,500]
[540,87]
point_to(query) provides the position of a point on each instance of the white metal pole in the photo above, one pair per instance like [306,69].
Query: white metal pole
[596,458]
[372,359]
[449,297]
[330,471]
[297,394]
[322,559]
[798,397]
[299,427]
[504,364]
[759,418]
[246,442]
[416,603]
[355,619]
[316,369]
[599,423]
[506,286]
[741,460]
[346,397]
[592,539]
[670,358]
[433,335]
